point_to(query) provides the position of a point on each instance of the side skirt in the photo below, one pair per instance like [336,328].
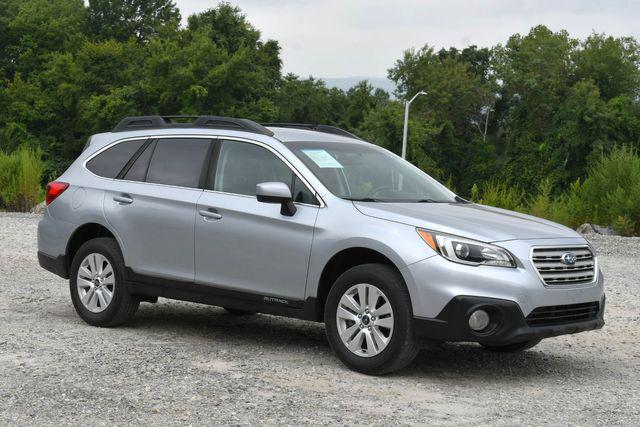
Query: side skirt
[151,286]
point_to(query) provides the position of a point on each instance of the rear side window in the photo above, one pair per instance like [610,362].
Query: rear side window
[178,161]
[138,170]
[110,162]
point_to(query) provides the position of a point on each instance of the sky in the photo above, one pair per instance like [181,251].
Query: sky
[349,38]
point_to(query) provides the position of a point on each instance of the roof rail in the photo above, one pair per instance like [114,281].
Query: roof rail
[208,122]
[318,128]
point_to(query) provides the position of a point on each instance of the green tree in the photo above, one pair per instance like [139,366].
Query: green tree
[456,104]
[190,73]
[227,27]
[308,101]
[611,63]
[383,126]
[31,29]
[360,99]
[478,60]
[530,117]
[139,19]
[535,71]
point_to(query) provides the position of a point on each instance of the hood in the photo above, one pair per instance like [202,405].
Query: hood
[483,223]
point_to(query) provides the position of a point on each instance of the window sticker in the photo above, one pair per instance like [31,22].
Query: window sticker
[322,158]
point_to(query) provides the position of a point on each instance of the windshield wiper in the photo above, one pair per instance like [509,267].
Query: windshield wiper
[457,200]
[365,199]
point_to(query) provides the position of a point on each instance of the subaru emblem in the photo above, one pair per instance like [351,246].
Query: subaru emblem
[569,258]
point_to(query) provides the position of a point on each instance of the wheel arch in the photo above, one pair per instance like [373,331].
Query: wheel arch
[83,234]
[342,261]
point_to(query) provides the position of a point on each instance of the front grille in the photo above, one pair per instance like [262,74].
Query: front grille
[558,314]
[548,262]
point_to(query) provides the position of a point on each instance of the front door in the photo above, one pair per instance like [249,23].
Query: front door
[245,245]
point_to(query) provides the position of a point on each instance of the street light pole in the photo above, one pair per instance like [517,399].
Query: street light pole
[406,122]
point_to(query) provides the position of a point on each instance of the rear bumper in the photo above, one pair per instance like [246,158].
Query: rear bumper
[56,265]
[508,325]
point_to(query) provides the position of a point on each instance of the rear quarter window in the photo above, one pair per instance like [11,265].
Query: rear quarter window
[110,162]
[138,170]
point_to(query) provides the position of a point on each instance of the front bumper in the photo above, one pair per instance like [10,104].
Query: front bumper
[443,295]
[435,281]
[509,325]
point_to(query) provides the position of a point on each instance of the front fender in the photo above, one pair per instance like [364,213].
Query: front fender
[345,228]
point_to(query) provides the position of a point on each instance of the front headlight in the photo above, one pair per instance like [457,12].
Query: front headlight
[467,251]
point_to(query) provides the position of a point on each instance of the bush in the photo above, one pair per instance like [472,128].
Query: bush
[611,193]
[545,205]
[609,196]
[20,177]
[498,194]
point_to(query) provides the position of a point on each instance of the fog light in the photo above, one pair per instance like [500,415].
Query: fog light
[479,320]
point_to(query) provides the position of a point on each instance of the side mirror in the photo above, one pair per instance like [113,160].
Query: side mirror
[276,192]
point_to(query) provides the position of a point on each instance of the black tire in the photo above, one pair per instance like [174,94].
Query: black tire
[402,347]
[123,305]
[237,312]
[511,348]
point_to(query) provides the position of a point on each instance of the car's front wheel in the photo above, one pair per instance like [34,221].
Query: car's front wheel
[97,285]
[368,319]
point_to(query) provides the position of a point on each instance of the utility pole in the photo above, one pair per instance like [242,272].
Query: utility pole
[406,122]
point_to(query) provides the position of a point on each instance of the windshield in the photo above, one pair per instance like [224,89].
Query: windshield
[365,172]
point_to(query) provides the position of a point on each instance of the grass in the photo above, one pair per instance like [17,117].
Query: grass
[20,180]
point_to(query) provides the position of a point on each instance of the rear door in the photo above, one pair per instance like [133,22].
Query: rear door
[152,206]
[246,245]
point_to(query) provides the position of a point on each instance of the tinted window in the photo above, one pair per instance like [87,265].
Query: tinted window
[138,170]
[178,162]
[241,166]
[301,193]
[110,162]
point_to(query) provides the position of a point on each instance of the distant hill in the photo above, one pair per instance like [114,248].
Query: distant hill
[346,83]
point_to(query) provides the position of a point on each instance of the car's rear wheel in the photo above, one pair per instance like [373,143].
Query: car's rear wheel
[97,284]
[368,318]
[511,348]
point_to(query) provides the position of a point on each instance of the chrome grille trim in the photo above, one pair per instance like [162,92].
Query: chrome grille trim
[552,272]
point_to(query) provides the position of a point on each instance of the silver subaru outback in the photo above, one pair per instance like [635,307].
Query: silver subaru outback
[307,221]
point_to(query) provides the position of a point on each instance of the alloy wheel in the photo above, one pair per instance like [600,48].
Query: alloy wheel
[365,320]
[95,282]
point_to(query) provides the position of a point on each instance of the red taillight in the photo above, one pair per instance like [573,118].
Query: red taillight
[54,189]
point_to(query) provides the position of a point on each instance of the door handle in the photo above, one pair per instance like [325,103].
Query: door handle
[123,200]
[209,214]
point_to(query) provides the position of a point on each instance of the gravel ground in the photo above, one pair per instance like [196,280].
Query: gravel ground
[182,364]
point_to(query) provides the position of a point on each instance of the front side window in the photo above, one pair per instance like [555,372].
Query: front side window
[111,161]
[241,166]
[365,172]
[301,193]
[178,161]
